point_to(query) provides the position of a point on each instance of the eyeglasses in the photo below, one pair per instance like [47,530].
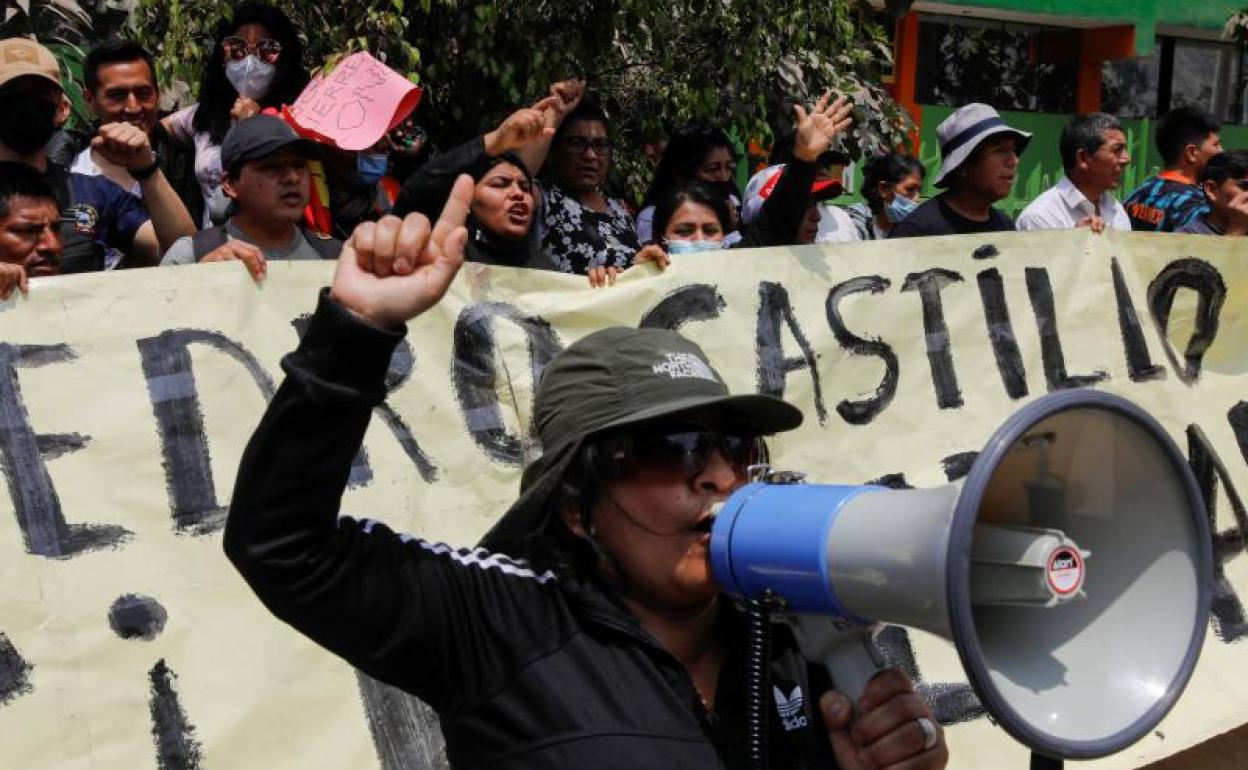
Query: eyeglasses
[267,50]
[676,451]
[577,145]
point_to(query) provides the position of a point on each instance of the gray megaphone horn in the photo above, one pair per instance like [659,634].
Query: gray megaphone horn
[1071,568]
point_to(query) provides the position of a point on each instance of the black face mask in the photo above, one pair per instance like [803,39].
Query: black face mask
[26,122]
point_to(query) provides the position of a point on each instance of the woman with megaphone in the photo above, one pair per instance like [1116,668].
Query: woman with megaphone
[588,630]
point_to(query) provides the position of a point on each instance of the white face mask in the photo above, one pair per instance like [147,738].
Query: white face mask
[675,246]
[250,76]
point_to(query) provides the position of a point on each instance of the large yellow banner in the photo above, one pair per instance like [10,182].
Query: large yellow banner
[128,641]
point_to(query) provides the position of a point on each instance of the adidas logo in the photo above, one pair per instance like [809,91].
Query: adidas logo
[684,365]
[790,708]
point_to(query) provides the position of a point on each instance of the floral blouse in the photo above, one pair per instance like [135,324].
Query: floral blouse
[576,238]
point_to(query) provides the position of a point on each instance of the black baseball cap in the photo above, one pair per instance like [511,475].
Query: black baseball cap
[616,378]
[260,136]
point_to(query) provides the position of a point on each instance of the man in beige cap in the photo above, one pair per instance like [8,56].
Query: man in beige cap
[99,218]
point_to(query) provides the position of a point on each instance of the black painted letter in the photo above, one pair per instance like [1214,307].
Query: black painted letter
[1140,366]
[1202,278]
[38,508]
[773,366]
[1001,333]
[694,302]
[939,356]
[183,443]
[474,372]
[865,410]
[1041,293]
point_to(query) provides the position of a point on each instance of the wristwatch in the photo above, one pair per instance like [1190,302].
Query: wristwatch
[144,173]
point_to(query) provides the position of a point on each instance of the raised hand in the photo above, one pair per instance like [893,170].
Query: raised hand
[818,129]
[567,94]
[393,270]
[521,127]
[1237,214]
[124,145]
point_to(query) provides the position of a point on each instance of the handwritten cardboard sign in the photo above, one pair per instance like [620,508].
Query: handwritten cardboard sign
[355,105]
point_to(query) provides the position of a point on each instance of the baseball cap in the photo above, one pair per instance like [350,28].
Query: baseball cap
[760,186]
[260,136]
[616,378]
[20,57]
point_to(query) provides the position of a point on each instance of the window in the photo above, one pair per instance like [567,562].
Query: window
[1180,71]
[1010,66]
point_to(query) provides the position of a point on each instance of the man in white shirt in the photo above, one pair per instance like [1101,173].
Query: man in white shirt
[1094,154]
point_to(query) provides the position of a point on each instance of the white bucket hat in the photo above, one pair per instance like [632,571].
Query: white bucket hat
[966,129]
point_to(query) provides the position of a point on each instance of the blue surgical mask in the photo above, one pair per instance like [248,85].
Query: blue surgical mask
[899,208]
[372,166]
[692,247]
[251,77]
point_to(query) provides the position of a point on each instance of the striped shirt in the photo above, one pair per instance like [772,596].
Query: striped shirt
[1165,203]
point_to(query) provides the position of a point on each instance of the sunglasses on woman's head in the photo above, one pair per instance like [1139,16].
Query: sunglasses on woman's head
[677,450]
[267,50]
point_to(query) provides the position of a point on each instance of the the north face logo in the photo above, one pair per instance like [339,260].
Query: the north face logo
[790,708]
[683,365]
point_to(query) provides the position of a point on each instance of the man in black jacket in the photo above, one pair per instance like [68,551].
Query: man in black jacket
[588,630]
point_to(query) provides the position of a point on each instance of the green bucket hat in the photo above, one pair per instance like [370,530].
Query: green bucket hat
[614,378]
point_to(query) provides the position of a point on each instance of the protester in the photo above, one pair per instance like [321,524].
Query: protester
[1225,183]
[30,228]
[98,217]
[579,225]
[891,184]
[588,630]
[1187,137]
[256,62]
[979,160]
[500,222]
[780,201]
[834,224]
[121,87]
[266,178]
[694,153]
[1094,156]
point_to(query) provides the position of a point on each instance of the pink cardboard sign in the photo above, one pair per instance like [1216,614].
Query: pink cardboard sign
[355,105]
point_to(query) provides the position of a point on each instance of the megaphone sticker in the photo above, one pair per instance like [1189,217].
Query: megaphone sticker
[1065,571]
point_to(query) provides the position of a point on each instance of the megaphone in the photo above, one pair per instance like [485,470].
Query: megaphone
[1071,568]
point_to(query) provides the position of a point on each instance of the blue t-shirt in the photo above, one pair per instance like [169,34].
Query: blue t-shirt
[1165,203]
[98,217]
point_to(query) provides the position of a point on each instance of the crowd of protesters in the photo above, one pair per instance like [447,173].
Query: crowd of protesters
[227,179]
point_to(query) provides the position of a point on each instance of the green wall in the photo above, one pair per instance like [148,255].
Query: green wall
[1041,165]
[1144,15]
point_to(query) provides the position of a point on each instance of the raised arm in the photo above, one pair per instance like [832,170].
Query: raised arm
[130,147]
[566,95]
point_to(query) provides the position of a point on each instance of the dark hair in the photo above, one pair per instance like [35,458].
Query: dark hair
[585,111]
[691,192]
[687,149]
[1232,164]
[17,180]
[216,95]
[890,169]
[1085,132]
[117,51]
[1180,127]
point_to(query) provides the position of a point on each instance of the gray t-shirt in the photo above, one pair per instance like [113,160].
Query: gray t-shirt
[182,252]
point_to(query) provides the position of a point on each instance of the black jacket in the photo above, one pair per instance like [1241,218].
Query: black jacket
[426,191]
[780,217]
[527,667]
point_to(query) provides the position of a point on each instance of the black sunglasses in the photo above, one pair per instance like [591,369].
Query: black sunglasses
[678,450]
